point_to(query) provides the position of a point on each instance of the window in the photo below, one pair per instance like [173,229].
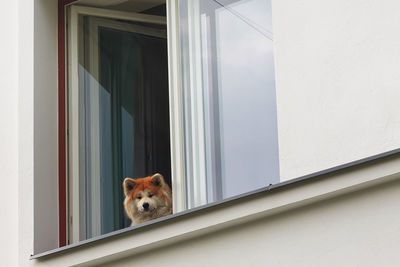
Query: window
[119,116]
[195,103]
[229,102]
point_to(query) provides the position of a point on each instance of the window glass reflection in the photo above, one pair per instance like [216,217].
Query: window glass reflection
[227,54]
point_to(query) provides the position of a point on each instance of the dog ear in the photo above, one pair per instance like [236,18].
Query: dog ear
[128,185]
[157,180]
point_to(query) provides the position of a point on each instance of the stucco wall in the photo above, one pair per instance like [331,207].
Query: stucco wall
[338,80]
[45,125]
[25,105]
[337,67]
[357,229]
[9,132]
[332,218]
[37,103]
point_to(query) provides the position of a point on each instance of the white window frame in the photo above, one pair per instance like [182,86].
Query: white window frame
[74,103]
[188,155]
[179,195]
[195,141]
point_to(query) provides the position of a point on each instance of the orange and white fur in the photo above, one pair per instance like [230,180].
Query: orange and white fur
[147,198]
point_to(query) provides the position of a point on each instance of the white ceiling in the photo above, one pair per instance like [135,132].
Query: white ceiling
[126,5]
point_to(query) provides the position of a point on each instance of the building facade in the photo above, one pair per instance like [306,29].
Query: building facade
[332,185]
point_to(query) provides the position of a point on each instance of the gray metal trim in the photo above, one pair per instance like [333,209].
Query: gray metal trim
[207,206]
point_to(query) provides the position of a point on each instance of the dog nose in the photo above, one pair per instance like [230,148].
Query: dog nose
[146,206]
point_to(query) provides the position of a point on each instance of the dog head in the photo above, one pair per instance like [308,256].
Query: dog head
[146,198]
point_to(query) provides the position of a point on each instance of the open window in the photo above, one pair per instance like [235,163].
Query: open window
[119,112]
[194,101]
[227,80]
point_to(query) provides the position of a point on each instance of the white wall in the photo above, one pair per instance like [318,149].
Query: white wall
[338,81]
[45,125]
[25,133]
[358,229]
[9,133]
[337,66]
[37,102]
[332,216]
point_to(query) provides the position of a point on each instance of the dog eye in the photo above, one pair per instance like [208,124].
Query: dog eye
[150,195]
[139,197]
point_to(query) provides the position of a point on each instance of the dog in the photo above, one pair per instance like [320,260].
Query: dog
[147,198]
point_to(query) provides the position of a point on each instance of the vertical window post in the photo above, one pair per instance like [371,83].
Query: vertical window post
[62,131]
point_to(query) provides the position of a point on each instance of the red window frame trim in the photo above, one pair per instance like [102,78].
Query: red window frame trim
[62,138]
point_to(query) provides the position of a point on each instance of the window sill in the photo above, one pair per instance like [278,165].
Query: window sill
[238,210]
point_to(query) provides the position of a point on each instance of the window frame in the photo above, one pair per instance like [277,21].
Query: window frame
[185,148]
[74,160]
[195,152]
[179,195]
[62,124]
[62,192]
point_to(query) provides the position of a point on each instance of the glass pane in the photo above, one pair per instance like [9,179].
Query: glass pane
[124,115]
[227,54]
